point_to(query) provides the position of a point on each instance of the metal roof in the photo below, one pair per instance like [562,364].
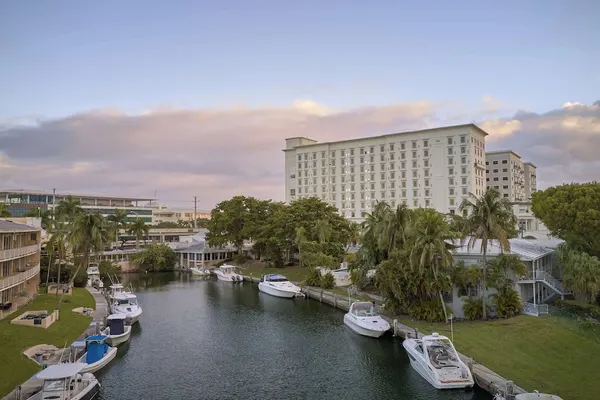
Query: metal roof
[9,226]
[526,249]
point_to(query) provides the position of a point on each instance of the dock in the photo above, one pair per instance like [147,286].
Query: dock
[33,385]
[483,376]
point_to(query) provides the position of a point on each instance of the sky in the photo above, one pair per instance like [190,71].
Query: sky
[195,98]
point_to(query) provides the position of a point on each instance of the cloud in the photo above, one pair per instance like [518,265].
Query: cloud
[217,153]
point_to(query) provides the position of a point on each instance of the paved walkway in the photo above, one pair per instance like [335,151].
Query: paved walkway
[34,385]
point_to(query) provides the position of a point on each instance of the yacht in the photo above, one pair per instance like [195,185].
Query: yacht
[117,330]
[199,271]
[227,273]
[93,276]
[126,303]
[435,359]
[363,318]
[66,382]
[531,396]
[97,353]
[279,286]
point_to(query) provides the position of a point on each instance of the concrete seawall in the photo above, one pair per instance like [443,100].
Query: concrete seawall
[484,377]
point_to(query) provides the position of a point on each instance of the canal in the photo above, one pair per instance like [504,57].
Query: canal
[210,340]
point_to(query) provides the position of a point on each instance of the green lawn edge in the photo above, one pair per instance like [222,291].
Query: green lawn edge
[15,367]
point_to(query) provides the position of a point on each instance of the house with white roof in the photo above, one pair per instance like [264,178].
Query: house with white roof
[542,283]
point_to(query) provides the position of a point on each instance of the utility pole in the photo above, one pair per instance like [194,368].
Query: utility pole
[195,209]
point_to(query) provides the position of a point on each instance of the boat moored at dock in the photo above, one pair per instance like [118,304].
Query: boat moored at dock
[279,286]
[199,271]
[118,330]
[363,318]
[126,303]
[435,359]
[67,381]
[227,273]
[98,354]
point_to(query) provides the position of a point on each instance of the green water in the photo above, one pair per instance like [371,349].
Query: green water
[212,340]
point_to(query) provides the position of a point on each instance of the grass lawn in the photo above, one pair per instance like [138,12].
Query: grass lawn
[15,368]
[536,353]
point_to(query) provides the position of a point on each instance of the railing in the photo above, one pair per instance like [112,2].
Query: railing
[10,254]
[21,277]
[549,280]
[535,309]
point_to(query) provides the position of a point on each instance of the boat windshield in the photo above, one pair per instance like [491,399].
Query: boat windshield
[54,385]
[276,278]
[441,353]
[132,302]
[364,310]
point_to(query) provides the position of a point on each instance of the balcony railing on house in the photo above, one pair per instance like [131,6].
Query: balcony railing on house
[549,280]
[19,278]
[11,254]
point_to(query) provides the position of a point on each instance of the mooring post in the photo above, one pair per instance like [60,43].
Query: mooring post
[394,327]
[334,300]
[321,299]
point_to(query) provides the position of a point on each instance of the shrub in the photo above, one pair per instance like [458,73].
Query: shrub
[314,277]
[472,307]
[429,310]
[507,302]
[582,311]
[328,281]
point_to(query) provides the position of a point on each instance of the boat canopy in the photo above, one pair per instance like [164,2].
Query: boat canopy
[116,325]
[61,371]
[363,309]
[96,348]
[116,316]
[125,296]
[275,278]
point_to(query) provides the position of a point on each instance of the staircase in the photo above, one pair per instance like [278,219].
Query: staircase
[548,280]
[550,291]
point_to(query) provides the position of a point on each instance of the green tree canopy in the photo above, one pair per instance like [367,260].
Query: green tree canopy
[156,257]
[572,213]
[4,213]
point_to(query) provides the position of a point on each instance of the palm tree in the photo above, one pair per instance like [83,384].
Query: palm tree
[430,252]
[119,220]
[322,230]
[299,239]
[354,231]
[489,218]
[59,241]
[68,209]
[4,213]
[138,228]
[396,225]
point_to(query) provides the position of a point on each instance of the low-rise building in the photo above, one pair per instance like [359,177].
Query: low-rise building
[19,264]
[21,201]
[166,214]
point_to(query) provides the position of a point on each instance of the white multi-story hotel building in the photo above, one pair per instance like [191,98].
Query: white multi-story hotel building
[434,168]
[507,173]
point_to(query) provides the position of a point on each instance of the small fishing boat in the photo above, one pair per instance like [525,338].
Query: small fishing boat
[435,359]
[363,318]
[93,276]
[227,273]
[117,330]
[126,303]
[199,271]
[279,286]
[67,381]
[98,354]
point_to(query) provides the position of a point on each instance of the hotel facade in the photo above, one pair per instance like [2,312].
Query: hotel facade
[513,178]
[434,168]
[19,264]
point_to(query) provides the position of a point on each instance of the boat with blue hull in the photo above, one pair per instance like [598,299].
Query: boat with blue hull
[98,353]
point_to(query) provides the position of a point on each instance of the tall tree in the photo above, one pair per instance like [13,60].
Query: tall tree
[581,271]
[571,212]
[489,218]
[119,221]
[68,209]
[4,213]
[322,231]
[139,229]
[354,233]
[59,241]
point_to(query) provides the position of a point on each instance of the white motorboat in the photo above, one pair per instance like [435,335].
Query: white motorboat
[67,382]
[363,318]
[279,286]
[531,396]
[126,303]
[227,273]
[199,271]
[98,354]
[93,276]
[117,330]
[435,359]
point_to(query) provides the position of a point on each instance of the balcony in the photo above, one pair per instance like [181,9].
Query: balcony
[11,254]
[19,278]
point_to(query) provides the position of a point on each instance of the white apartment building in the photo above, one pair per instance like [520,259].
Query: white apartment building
[434,168]
[507,173]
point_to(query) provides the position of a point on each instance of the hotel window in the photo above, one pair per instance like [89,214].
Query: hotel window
[450,161]
[464,170]
[305,164]
[383,195]
[505,187]
[402,155]
[403,184]
[382,175]
[404,193]
[504,170]
[299,157]
[415,173]
[403,174]
[323,172]
[414,154]
[426,202]
[391,156]
[362,186]
[503,162]
[382,148]
[451,191]
[392,175]
[343,188]
[333,179]
[464,191]
[463,160]
[450,140]
[299,165]
[372,149]
[305,156]
[323,154]
[351,170]
[362,205]
[333,196]
[414,164]
[504,178]
[451,181]
[495,162]
[351,152]
[299,190]
[402,165]
[415,203]
[372,185]
[426,182]
[425,143]
[426,174]
[402,146]
[427,192]
[463,150]
[382,157]
[382,184]
[343,196]
[322,180]
[415,193]
[362,160]
[451,202]
[351,196]
[392,165]
[425,153]
[450,171]
[462,139]
[391,146]
[392,185]
[371,159]
[323,188]
[362,168]
[305,181]
[415,183]
[464,180]
[426,163]
[333,153]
